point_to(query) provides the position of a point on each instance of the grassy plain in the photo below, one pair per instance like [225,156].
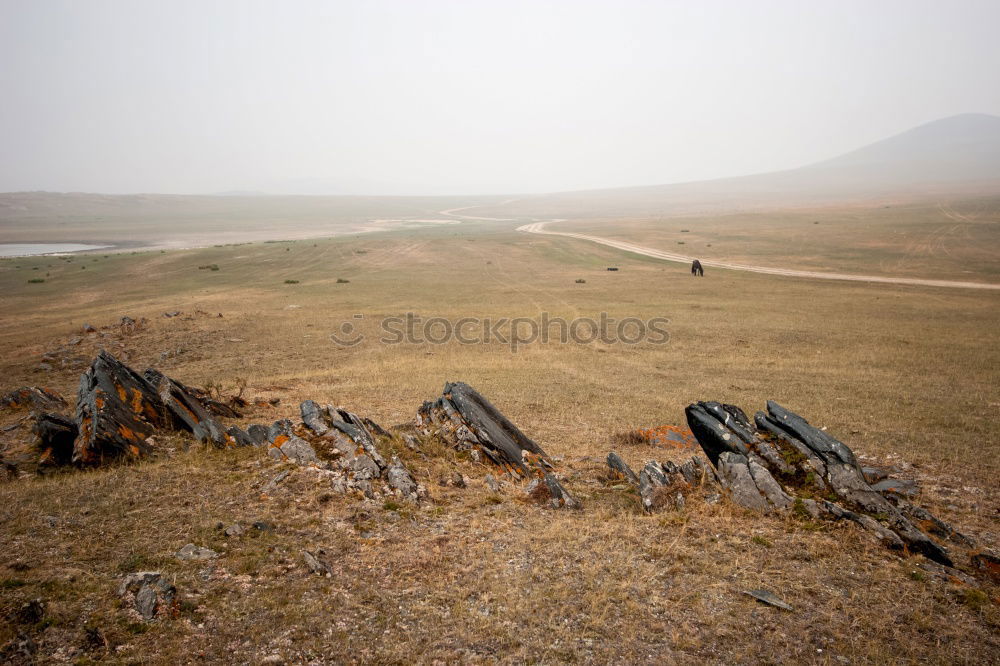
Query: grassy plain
[902,374]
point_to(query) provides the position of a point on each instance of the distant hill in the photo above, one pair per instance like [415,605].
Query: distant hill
[955,155]
[959,155]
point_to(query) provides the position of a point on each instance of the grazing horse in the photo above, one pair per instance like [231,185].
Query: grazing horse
[696,268]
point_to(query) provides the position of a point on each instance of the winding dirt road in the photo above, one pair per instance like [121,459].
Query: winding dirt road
[539,228]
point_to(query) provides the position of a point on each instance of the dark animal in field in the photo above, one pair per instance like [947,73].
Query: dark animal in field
[696,268]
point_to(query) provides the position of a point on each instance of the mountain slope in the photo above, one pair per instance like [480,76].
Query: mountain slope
[955,155]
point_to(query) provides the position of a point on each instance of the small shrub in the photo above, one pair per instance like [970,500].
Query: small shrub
[974,598]
[36,280]
[580,281]
[291,281]
[685,231]
[342,281]
[760,541]
[629,438]
[209,267]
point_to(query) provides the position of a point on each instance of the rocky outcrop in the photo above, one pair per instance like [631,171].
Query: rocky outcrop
[466,420]
[117,410]
[341,447]
[187,410]
[781,462]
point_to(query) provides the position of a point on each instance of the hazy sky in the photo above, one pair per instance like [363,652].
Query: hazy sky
[427,97]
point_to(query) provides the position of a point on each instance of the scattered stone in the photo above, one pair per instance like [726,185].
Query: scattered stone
[75,340]
[316,565]
[149,593]
[489,481]
[193,552]
[766,597]
[234,530]
[273,483]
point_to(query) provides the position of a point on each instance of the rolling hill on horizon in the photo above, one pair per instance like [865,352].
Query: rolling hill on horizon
[954,155]
[957,155]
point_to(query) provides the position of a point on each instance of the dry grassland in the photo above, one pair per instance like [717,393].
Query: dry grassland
[907,376]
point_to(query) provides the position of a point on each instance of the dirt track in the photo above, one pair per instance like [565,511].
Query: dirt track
[539,228]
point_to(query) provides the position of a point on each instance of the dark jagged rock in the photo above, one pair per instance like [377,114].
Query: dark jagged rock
[468,421]
[117,409]
[187,409]
[717,429]
[35,398]
[56,434]
[786,460]
[620,468]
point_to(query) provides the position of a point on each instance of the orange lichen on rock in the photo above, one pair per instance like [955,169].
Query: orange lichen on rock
[671,436]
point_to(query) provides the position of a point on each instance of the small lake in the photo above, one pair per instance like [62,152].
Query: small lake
[32,249]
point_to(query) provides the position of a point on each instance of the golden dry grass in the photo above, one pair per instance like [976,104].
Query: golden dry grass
[471,576]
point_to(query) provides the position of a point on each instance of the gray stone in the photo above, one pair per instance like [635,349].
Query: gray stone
[766,597]
[734,471]
[400,479]
[621,469]
[193,552]
[491,482]
[296,450]
[316,565]
[148,591]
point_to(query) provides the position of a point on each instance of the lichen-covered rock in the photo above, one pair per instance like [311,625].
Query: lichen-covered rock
[293,449]
[33,398]
[117,410]
[620,469]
